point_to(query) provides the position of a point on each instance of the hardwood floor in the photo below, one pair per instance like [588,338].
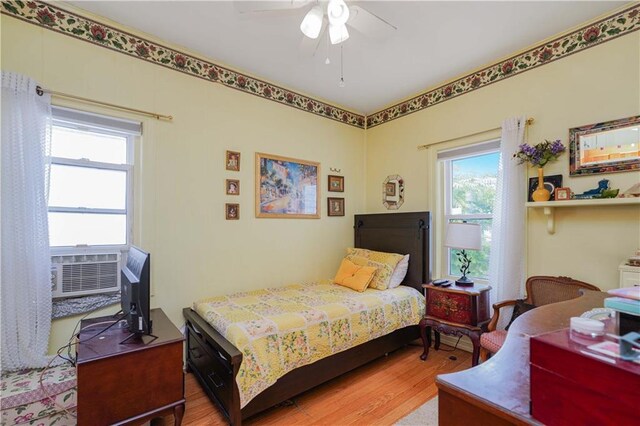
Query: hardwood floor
[379,393]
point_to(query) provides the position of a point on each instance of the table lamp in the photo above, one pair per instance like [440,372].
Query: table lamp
[463,236]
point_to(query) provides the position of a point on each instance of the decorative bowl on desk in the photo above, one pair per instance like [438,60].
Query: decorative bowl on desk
[599,314]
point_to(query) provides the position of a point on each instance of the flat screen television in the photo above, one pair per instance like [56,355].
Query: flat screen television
[136,291]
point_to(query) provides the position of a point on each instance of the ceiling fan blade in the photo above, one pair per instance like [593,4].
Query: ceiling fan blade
[248,7]
[311,47]
[370,24]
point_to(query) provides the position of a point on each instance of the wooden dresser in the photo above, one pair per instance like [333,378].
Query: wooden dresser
[457,311]
[131,382]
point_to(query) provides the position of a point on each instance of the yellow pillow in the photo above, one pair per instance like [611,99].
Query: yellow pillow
[354,276]
[385,263]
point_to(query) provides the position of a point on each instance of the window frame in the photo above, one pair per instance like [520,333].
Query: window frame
[482,148]
[127,167]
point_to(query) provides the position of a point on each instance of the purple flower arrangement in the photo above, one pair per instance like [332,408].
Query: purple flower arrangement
[540,154]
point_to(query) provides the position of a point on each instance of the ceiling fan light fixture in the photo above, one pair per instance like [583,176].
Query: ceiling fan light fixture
[312,22]
[338,12]
[338,33]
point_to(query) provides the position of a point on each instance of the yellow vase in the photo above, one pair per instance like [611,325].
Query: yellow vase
[542,193]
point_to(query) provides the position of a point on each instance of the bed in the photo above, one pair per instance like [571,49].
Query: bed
[216,362]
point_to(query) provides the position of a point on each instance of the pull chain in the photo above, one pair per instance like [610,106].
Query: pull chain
[341,84]
[327,61]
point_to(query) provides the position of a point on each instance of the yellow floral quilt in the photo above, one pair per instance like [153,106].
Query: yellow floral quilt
[280,329]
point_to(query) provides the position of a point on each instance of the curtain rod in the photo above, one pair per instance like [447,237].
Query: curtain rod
[528,122]
[40,91]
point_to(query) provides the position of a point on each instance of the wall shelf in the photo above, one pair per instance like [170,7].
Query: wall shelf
[550,206]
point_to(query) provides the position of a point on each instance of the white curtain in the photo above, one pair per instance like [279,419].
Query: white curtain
[507,260]
[26,270]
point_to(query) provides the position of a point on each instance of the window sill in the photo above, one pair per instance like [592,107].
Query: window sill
[69,306]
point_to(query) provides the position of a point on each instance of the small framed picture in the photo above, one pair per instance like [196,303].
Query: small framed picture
[563,194]
[232,186]
[233,161]
[390,189]
[335,206]
[232,211]
[336,183]
[550,182]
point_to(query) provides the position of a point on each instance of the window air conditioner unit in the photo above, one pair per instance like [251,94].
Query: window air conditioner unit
[83,274]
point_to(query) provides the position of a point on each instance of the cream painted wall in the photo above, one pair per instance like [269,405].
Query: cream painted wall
[179,171]
[599,84]
[179,190]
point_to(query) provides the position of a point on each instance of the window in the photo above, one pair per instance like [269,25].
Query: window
[90,192]
[471,175]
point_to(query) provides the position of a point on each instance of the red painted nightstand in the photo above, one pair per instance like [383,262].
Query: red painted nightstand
[456,311]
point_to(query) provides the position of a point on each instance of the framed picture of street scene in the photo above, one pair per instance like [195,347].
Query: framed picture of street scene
[287,187]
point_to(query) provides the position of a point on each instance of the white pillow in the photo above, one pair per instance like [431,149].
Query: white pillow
[400,272]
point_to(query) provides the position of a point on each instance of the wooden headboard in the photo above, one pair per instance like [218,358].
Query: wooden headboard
[404,233]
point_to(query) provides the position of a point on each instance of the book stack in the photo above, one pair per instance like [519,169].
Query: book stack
[626,301]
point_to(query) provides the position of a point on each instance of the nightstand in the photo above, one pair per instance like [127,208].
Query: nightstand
[455,311]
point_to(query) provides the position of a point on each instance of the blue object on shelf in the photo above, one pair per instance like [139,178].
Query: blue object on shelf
[602,185]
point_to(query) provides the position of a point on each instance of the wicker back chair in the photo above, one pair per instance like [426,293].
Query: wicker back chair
[541,290]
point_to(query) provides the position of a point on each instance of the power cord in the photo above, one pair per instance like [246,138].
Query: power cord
[112,323]
[454,348]
[70,358]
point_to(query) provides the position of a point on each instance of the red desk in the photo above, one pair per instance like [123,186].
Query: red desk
[571,384]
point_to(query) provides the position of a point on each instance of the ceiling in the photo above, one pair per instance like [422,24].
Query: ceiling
[434,42]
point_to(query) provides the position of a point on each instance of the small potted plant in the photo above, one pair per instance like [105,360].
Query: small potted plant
[538,156]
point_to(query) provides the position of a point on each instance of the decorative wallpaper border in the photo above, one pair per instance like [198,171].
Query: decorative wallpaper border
[60,20]
[622,23]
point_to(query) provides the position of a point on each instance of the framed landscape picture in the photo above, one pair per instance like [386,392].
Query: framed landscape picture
[287,187]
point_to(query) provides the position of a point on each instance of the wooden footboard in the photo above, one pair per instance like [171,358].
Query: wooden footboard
[215,362]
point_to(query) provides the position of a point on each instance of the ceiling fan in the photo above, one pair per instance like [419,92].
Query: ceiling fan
[334,13]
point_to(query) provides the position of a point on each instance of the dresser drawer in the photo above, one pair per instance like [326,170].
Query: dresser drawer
[216,373]
[629,279]
[467,306]
[450,307]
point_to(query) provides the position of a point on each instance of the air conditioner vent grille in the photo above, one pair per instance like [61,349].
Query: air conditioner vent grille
[84,274]
[89,276]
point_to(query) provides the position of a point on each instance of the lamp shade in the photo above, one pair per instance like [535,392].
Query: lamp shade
[312,22]
[466,236]
[338,33]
